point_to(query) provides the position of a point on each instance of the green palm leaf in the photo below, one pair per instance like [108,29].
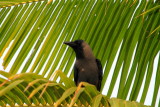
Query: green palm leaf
[124,35]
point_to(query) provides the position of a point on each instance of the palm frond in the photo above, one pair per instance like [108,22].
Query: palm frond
[124,35]
[55,93]
[7,3]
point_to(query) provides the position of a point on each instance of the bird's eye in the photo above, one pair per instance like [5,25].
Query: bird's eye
[78,42]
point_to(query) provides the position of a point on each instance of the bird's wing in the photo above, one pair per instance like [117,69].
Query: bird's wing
[100,73]
[76,74]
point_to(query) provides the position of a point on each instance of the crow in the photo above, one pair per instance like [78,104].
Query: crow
[87,68]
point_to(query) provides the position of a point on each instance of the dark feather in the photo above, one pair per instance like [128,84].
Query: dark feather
[76,74]
[86,68]
[100,73]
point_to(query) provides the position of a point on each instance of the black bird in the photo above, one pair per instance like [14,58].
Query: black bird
[87,68]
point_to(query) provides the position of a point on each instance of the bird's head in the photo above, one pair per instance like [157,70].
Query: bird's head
[81,48]
[78,44]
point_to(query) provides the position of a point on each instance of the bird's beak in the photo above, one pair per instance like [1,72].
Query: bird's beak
[70,43]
